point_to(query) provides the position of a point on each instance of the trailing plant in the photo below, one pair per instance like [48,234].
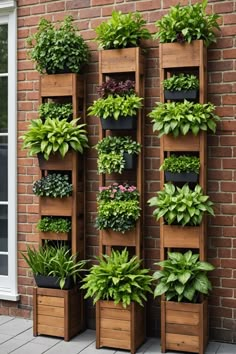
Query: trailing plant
[58,48]
[118,207]
[118,277]
[182,163]
[54,261]
[111,151]
[54,135]
[53,185]
[181,82]
[54,224]
[181,206]
[113,87]
[187,23]
[55,110]
[183,117]
[122,31]
[182,277]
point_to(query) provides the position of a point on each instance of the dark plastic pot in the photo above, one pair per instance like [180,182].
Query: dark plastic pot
[44,281]
[181,95]
[127,123]
[181,177]
[130,161]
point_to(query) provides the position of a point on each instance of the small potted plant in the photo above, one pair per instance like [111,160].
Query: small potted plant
[118,285]
[180,87]
[117,105]
[57,228]
[184,284]
[182,168]
[116,153]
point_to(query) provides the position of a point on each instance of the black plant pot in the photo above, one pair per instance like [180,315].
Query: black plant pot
[130,161]
[181,177]
[44,281]
[181,95]
[122,123]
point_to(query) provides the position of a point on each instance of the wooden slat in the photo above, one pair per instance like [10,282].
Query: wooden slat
[118,325]
[50,321]
[187,142]
[182,342]
[114,343]
[55,206]
[56,85]
[114,334]
[112,238]
[111,305]
[50,301]
[61,236]
[178,236]
[181,306]
[115,314]
[182,329]
[57,162]
[182,317]
[54,311]
[51,331]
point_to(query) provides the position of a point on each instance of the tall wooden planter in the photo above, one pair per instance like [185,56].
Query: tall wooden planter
[117,327]
[184,326]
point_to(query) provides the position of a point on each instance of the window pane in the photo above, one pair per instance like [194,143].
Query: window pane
[3,228]
[3,104]
[3,169]
[3,264]
[3,48]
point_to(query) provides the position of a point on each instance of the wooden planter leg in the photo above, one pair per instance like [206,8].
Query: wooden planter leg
[35,326]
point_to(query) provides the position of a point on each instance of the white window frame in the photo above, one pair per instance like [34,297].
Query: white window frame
[8,284]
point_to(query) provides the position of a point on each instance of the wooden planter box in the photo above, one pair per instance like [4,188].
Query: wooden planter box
[58,313]
[56,206]
[117,327]
[58,85]
[188,142]
[113,238]
[56,236]
[175,236]
[184,326]
[57,162]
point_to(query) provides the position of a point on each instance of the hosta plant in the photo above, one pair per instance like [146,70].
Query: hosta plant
[187,23]
[118,207]
[54,185]
[122,31]
[181,82]
[181,163]
[54,224]
[181,206]
[180,118]
[182,277]
[118,277]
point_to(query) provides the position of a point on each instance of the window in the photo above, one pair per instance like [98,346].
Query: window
[8,175]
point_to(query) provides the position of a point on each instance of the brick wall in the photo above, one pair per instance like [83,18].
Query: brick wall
[221,149]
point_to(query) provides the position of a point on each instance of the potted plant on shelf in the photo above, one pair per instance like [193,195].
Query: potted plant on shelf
[184,284]
[180,87]
[54,228]
[182,168]
[116,153]
[117,105]
[118,285]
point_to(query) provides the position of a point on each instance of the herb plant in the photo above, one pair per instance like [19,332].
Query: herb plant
[57,49]
[54,224]
[182,163]
[187,23]
[118,277]
[118,207]
[182,277]
[113,87]
[53,185]
[183,117]
[122,31]
[181,82]
[181,206]
[55,110]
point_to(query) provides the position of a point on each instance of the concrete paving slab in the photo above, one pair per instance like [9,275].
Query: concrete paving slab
[30,348]
[16,326]
[11,345]
[227,349]
[4,338]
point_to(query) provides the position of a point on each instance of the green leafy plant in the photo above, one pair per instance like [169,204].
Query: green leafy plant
[54,261]
[118,207]
[58,48]
[122,31]
[118,277]
[181,82]
[182,163]
[53,185]
[181,206]
[183,117]
[54,224]
[187,23]
[182,277]
[55,110]
[111,151]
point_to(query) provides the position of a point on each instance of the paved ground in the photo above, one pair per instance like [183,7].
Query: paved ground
[16,336]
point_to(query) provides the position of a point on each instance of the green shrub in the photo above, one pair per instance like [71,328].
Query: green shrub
[182,163]
[54,185]
[54,224]
[181,82]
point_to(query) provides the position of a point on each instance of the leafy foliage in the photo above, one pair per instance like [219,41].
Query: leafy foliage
[181,206]
[55,110]
[183,277]
[112,87]
[183,117]
[182,163]
[122,31]
[54,224]
[187,23]
[118,207]
[57,49]
[53,185]
[181,82]
[118,278]
[54,261]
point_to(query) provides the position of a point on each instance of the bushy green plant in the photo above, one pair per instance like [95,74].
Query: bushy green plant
[118,277]
[181,206]
[187,23]
[118,207]
[182,277]
[122,31]
[54,224]
[181,82]
[183,117]
[58,48]
[182,163]
[53,185]
[54,261]
[55,110]
[111,151]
